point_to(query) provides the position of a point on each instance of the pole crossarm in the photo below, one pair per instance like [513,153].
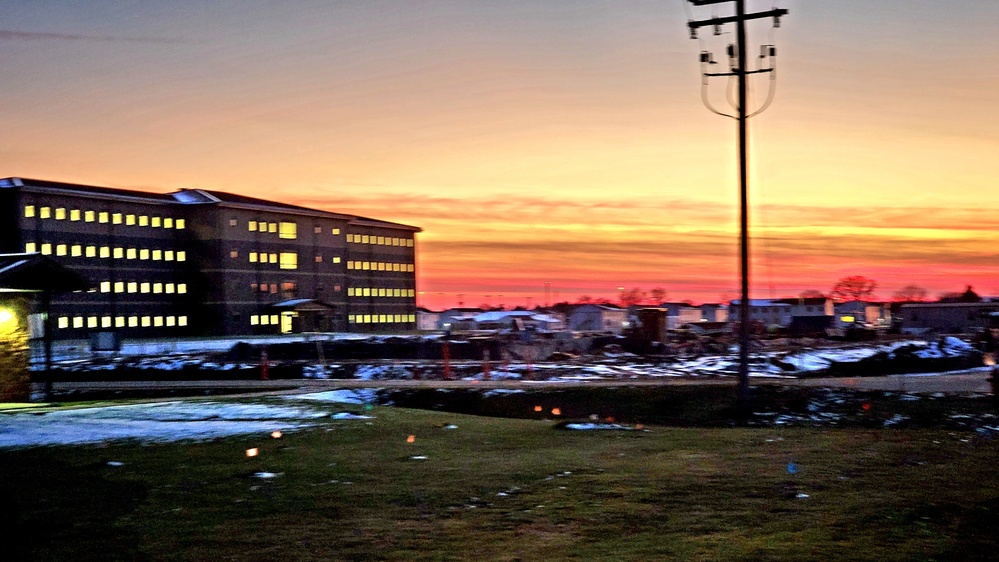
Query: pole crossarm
[776,13]
[737,73]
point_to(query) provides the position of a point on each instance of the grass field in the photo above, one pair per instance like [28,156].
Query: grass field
[502,489]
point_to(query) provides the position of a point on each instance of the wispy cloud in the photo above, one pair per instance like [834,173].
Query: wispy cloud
[11,35]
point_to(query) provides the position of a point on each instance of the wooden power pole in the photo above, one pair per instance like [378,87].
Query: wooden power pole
[738,68]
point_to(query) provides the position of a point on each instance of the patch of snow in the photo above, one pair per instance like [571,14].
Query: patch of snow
[358,396]
[158,422]
[597,426]
[502,391]
[350,416]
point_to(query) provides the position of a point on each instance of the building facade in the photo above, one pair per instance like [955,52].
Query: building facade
[199,262]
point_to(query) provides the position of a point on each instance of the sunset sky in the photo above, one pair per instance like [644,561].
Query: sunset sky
[540,141]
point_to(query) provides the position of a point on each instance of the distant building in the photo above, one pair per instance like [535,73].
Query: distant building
[764,311]
[447,318]
[198,262]
[946,318]
[857,313]
[427,320]
[711,312]
[598,318]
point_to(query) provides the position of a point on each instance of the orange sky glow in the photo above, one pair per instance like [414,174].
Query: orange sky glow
[541,141]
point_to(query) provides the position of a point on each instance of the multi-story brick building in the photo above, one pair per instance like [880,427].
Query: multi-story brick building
[199,262]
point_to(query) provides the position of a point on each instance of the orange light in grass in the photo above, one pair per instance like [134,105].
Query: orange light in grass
[538,408]
[556,411]
[411,439]
[276,434]
[252,452]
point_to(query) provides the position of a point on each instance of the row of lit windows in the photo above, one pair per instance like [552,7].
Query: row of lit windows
[264,320]
[376,292]
[285,260]
[93,322]
[381,266]
[381,318]
[78,250]
[379,240]
[103,217]
[284,230]
[142,287]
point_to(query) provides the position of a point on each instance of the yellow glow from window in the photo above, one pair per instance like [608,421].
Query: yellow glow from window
[92,322]
[63,322]
[74,214]
[119,253]
[105,286]
[157,255]
[133,287]
[130,253]
[156,222]
[146,321]
[336,231]
[76,250]
[251,226]
[158,321]
[89,216]
[133,321]
[46,249]
[106,322]
[181,256]
[143,254]
[288,231]
[272,228]
[103,217]
[171,321]
[119,286]
[91,251]
[29,211]
[848,319]
[167,222]
[60,214]
[119,322]
[336,260]
[182,288]
[45,212]
[77,322]
[130,220]
[289,260]
[181,224]
[253,257]
[143,221]
[169,288]
[144,287]
[30,247]
[116,218]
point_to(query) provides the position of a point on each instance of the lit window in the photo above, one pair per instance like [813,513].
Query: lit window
[412,318]
[288,231]
[156,222]
[365,239]
[336,260]
[272,227]
[350,238]
[182,288]
[395,241]
[253,257]
[336,232]
[143,220]
[116,218]
[133,287]
[103,217]
[409,243]
[63,322]
[74,214]
[119,253]
[181,256]
[319,258]
[144,254]
[381,266]
[317,230]
[254,320]
[158,321]
[366,292]
[233,222]
[60,214]
[144,287]
[119,322]
[381,292]
[274,319]
[381,240]
[252,226]
[92,322]
[29,212]
[350,318]
[77,321]
[273,258]
[91,251]
[289,260]
[130,220]
[382,318]
[412,293]
[168,255]
[105,286]
[396,292]
[273,288]
[76,250]
[264,320]
[171,321]
[350,291]
[106,322]
[45,212]
[119,286]
[350,264]
[366,265]
[169,288]
[133,321]
[367,318]
[410,268]
[130,253]
[157,255]
[167,222]
[147,321]
[233,254]
[30,247]
[180,224]
[46,249]
[157,288]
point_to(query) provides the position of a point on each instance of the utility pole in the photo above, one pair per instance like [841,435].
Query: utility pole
[738,69]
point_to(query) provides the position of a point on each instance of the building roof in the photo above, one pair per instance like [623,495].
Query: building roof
[759,302]
[196,197]
[37,273]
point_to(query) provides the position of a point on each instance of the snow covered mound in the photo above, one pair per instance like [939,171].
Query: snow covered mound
[159,422]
